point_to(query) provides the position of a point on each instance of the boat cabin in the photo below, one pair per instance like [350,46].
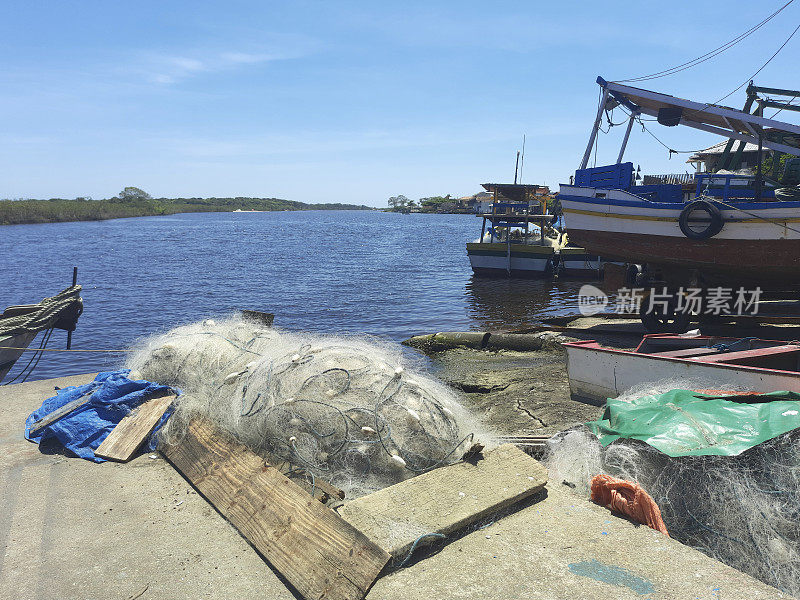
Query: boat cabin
[724,187]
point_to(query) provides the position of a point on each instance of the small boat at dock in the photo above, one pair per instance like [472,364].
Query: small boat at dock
[520,241]
[516,243]
[722,363]
[510,248]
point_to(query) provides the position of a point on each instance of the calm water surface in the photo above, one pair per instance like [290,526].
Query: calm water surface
[385,274]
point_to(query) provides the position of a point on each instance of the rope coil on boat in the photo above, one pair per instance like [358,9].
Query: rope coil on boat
[60,311]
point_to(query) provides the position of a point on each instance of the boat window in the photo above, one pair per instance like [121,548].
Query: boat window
[599,195]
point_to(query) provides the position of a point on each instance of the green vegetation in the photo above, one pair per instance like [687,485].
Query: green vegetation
[777,169]
[431,204]
[401,204]
[439,204]
[134,202]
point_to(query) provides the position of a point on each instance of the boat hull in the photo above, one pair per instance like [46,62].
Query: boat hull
[577,262]
[516,260]
[9,357]
[621,226]
[597,373]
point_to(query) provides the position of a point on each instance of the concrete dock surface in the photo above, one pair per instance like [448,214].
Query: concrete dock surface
[70,528]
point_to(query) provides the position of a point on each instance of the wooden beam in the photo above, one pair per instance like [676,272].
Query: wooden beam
[768,90]
[781,105]
[321,489]
[724,357]
[793,150]
[446,499]
[130,433]
[712,109]
[317,551]
[60,413]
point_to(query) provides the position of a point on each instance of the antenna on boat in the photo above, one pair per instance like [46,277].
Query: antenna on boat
[516,169]
[522,162]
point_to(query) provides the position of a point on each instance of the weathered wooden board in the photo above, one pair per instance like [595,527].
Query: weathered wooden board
[317,487]
[317,551]
[446,499]
[131,431]
[60,412]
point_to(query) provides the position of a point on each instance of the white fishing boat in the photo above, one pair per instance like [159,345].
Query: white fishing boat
[19,326]
[714,228]
[597,372]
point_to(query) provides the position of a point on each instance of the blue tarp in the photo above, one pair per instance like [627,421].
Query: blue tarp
[82,431]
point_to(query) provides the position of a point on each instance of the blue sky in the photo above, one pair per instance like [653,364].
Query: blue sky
[347,101]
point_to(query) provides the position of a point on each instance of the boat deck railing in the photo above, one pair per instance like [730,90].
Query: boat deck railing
[669,178]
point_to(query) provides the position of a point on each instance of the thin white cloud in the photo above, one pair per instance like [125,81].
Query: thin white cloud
[245,58]
[169,68]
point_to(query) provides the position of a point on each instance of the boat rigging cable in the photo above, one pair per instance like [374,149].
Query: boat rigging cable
[761,68]
[740,86]
[702,59]
[708,55]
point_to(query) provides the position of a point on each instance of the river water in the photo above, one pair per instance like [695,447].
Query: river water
[384,274]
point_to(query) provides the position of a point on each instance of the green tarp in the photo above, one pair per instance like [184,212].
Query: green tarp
[683,422]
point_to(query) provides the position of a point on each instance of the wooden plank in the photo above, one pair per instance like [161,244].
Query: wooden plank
[446,499]
[316,486]
[317,551]
[60,412]
[131,431]
[685,352]
[321,489]
[744,354]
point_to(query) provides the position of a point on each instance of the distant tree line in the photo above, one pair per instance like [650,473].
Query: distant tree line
[431,204]
[135,202]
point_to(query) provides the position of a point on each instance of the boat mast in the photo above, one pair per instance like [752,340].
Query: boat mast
[627,135]
[596,126]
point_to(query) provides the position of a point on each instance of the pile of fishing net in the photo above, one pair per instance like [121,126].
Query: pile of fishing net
[742,510]
[347,409]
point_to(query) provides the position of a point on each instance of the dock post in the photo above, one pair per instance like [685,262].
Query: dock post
[74,283]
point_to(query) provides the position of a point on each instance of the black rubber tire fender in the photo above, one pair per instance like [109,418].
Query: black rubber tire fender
[715,225]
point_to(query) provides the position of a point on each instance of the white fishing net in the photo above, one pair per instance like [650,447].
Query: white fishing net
[350,410]
[742,510]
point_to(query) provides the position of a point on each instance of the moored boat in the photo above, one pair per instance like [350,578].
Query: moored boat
[724,363]
[19,326]
[516,243]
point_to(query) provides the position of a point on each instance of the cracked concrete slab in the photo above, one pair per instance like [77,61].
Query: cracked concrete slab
[515,392]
